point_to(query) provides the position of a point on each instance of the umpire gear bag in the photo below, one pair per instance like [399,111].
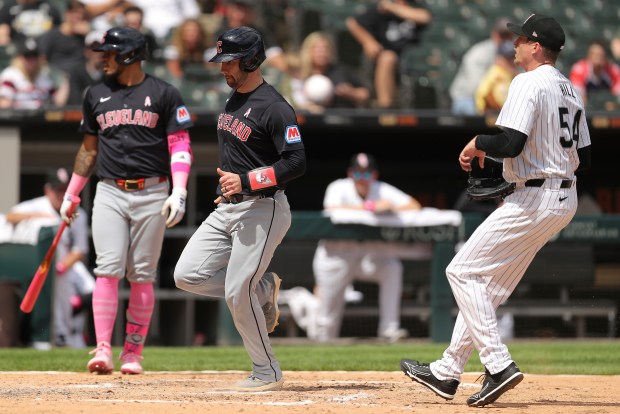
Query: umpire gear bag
[244,43]
[129,43]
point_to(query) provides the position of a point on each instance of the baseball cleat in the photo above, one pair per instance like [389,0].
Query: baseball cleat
[131,364]
[494,385]
[421,372]
[270,309]
[252,383]
[101,363]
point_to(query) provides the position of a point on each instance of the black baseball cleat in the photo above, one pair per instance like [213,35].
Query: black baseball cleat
[493,386]
[421,372]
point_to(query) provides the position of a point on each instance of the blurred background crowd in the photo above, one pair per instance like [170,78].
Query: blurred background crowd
[451,55]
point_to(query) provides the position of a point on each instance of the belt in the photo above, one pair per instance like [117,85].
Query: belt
[137,184]
[240,198]
[539,182]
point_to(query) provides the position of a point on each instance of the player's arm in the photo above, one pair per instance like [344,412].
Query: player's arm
[181,157]
[291,165]
[585,161]
[84,166]
[507,144]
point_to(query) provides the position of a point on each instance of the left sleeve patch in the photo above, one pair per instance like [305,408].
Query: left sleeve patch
[182,114]
[292,134]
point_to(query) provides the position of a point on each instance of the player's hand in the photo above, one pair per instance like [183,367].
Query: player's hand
[467,155]
[174,206]
[68,208]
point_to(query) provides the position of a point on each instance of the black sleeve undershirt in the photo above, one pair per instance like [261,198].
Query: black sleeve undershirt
[507,144]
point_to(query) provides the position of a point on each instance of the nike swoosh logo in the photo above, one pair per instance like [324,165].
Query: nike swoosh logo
[102,100]
[563,198]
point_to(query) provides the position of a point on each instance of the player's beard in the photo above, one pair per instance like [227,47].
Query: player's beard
[235,82]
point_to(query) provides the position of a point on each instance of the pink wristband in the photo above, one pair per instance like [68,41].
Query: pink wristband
[60,268]
[369,205]
[76,184]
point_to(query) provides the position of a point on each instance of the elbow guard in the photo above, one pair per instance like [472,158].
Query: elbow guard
[263,177]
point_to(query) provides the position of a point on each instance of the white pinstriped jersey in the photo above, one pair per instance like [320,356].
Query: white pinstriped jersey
[544,105]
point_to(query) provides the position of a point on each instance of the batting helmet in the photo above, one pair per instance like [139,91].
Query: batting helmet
[242,43]
[129,43]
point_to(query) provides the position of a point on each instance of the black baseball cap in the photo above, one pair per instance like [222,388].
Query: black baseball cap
[363,161]
[542,29]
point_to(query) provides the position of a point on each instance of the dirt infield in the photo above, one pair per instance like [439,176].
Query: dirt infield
[304,392]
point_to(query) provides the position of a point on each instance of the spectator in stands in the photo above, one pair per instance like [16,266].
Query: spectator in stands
[89,73]
[161,16]
[133,16]
[105,14]
[476,61]
[20,19]
[239,13]
[187,49]
[74,284]
[493,88]
[337,263]
[63,46]
[595,73]
[29,83]
[384,31]
[614,45]
[341,87]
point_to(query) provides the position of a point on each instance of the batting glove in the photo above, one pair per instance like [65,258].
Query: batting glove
[69,204]
[174,206]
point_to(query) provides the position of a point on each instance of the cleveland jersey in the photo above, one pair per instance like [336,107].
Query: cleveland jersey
[254,129]
[540,103]
[133,123]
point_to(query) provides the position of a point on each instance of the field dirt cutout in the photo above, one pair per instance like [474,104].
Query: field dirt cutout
[303,392]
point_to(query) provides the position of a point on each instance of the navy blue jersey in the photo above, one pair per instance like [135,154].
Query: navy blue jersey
[255,129]
[133,124]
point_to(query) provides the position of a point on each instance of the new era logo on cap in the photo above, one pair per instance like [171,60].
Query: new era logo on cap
[542,29]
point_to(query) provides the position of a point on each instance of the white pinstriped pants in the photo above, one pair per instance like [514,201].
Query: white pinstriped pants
[486,270]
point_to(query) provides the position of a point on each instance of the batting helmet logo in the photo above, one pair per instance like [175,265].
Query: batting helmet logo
[244,43]
[129,43]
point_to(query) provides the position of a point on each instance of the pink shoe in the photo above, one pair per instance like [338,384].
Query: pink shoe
[131,364]
[102,361]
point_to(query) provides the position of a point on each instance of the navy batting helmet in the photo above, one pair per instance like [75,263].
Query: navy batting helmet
[242,43]
[129,43]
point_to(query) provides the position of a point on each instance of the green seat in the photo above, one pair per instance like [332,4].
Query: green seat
[18,263]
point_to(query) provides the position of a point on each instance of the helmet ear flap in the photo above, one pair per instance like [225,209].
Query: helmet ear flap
[251,64]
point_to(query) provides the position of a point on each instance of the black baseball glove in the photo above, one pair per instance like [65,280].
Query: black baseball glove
[487,183]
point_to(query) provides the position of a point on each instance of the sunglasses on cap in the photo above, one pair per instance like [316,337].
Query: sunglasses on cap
[358,175]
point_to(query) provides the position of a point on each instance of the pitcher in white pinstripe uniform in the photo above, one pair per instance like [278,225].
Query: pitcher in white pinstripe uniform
[544,139]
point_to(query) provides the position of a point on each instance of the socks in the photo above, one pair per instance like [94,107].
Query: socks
[139,312]
[105,304]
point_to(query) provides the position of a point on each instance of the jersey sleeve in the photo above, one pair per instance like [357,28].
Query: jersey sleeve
[394,195]
[176,114]
[519,111]
[88,125]
[283,128]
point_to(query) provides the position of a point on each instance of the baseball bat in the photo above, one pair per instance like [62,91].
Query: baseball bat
[32,294]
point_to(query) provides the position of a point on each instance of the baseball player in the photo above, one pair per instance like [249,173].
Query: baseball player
[544,140]
[337,263]
[135,134]
[260,152]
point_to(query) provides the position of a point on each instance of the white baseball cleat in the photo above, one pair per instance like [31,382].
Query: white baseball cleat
[251,383]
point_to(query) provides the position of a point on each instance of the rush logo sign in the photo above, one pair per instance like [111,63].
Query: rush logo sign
[292,135]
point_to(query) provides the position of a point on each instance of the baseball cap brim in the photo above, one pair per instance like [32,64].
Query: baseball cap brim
[516,29]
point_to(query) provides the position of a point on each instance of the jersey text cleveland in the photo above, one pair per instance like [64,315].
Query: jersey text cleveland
[127,117]
[236,127]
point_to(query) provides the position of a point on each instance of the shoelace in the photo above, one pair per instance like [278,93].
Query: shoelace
[102,347]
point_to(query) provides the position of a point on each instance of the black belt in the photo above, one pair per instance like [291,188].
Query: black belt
[240,198]
[137,184]
[538,182]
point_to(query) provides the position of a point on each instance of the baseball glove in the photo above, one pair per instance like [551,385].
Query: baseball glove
[487,183]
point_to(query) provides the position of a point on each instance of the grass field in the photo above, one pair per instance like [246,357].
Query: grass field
[601,357]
